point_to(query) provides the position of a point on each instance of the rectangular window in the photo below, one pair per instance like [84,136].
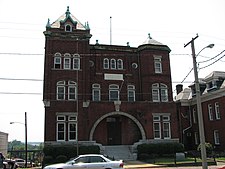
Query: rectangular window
[157,130]
[158,64]
[60,131]
[217,110]
[67,63]
[216,137]
[57,62]
[71,93]
[210,111]
[72,128]
[96,95]
[60,93]
[166,130]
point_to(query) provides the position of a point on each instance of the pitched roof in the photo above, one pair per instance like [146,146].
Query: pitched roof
[63,18]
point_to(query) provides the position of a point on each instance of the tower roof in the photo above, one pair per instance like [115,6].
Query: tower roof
[151,41]
[65,17]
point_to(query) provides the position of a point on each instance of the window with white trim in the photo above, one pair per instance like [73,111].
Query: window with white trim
[66,127]
[72,90]
[217,111]
[61,90]
[155,93]
[96,92]
[210,112]
[76,62]
[216,137]
[113,63]
[165,131]
[66,90]
[61,128]
[57,61]
[166,127]
[72,128]
[158,64]
[106,63]
[67,61]
[119,64]
[164,92]
[113,92]
[159,92]
[194,115]
[68,28]
[131,93]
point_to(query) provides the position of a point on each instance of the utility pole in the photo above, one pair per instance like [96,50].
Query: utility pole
[25,139]
[199,106]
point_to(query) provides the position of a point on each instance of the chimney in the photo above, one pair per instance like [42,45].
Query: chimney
[179,88]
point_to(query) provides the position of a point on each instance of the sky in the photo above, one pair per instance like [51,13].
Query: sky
[171,22]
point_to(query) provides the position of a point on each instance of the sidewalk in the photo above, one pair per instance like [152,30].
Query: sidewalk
[140,164]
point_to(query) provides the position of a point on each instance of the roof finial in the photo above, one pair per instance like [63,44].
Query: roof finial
[48,25]
[149,36]
[67,11]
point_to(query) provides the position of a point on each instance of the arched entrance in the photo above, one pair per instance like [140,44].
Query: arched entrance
[116,125]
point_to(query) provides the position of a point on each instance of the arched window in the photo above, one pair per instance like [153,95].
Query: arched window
[120,64]
[164,92]
[72,90]
[159,92]
[76,62]
[114,92]
[67,61]
[61,90]
[68,28]
[106,63]
[131,93]
[96,92]
[57,61]
[113,63]
[155,92]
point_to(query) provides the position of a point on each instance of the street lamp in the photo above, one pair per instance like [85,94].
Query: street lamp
[199,106]
[25,125]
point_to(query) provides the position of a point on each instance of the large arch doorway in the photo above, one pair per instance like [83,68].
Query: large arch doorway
[117,128]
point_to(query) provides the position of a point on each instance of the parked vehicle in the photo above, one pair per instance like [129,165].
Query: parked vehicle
[21,163]
[88,161]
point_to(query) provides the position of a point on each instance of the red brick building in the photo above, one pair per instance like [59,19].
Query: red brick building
[212,89]
[107,94]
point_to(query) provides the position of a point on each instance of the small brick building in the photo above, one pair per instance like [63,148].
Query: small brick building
[108,94]
[212,89]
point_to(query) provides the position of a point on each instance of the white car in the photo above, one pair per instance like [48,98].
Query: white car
[94,161]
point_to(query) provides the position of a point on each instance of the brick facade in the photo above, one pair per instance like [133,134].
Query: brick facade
[213,111]
[112,117]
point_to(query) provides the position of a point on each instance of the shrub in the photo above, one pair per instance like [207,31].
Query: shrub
[62,153]
[159,149]
[61,159]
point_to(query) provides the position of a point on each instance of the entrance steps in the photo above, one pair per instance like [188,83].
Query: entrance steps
[119,152]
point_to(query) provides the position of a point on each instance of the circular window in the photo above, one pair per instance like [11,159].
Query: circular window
[134,65]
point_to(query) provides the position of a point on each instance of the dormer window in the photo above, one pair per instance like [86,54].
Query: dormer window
[211,85]
[68,28]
